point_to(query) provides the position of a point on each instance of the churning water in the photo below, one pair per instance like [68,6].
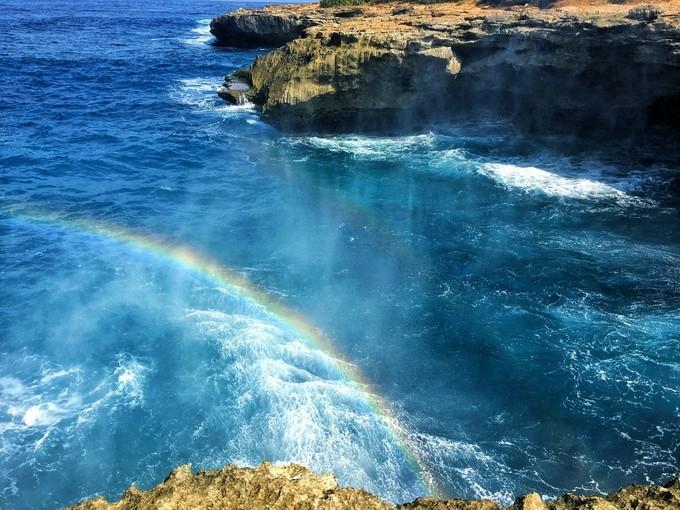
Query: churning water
[457,310]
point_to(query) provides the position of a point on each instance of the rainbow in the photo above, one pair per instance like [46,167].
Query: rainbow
[192,261]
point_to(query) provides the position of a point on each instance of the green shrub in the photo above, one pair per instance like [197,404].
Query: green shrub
[338,3]
[335,3]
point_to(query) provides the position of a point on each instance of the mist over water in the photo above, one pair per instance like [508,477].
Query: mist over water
[514,302]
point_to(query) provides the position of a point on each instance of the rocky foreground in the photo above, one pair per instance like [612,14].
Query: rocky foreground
[611,69]
[296,487]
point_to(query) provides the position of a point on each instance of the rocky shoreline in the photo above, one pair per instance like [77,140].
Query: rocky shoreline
[608,69]
[296,487]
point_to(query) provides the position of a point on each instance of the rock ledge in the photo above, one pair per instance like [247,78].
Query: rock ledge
[296,487]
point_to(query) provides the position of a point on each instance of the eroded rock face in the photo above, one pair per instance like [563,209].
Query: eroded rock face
[596,69]
[339,81]
[294,487]
[252,29]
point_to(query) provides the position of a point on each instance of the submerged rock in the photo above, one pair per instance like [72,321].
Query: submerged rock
[294,487]
[605,69]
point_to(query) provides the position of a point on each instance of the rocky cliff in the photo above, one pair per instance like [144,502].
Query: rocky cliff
[295,487]
[611,69]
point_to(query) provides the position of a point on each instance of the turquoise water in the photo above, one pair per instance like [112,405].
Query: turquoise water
[515,303]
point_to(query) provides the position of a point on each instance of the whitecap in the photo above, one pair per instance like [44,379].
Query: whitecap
[454,459]
[130,375]
[370,148]
[42,415]
[60,394]
[201,33]
[200,94]
[532,179]
[295,404]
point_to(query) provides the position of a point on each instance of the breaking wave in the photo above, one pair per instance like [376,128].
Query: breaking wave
[292,404]
[367,148]
[531,179]
[201,34]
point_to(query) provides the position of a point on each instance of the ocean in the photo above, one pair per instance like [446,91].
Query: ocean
[459,311]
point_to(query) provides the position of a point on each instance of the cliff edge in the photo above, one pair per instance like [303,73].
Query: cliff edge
[611,69]
[291,487]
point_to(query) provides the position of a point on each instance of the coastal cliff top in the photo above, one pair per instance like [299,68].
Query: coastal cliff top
[391,17]
[377,66]
[296,487]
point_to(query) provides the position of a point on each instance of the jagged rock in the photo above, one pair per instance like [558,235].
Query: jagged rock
[579,70]
[645,497]
[294,487]
[574,502]
[232,488]
[450,504]
[234,91]
[531,501]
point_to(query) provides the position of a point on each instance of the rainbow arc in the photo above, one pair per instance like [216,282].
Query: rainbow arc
[195,262]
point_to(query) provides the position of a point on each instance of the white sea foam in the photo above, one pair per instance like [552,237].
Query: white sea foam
[61,395]
[197,92]
[368,148]
[130,375]
[485,476]
[296,405]
[42,415]
[201,95]
[201,33]
[533,179]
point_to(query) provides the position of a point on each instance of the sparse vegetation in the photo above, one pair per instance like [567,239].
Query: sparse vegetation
[646,13]
[339,3]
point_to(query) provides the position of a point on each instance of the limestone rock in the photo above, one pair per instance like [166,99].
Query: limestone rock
[580,69]
[644,497]
[450,504]
[574,502]
[232,488]
[235,90]
[531,501]
[252,29]
[294,487]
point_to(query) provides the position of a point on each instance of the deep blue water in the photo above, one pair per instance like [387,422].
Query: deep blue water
[516,306]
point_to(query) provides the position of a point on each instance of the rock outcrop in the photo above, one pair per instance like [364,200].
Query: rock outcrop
[267,27]
[608,69]
[294,487]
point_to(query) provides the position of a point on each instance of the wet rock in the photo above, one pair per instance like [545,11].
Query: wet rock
[235,92]
[237,88]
